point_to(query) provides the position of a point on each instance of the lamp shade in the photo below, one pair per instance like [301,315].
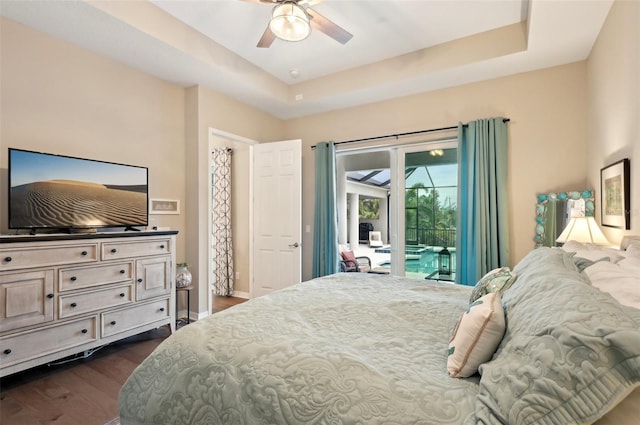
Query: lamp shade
[289,22]
[583,229]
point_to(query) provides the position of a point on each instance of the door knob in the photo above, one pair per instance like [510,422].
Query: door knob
[295,245]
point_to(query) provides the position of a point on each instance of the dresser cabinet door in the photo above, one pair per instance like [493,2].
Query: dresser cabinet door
[153,277]
[26,299]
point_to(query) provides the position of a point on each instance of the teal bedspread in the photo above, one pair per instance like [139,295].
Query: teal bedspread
[366,349]
[351,348]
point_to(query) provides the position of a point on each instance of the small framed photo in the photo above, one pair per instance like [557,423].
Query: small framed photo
[164,206]
[615,194]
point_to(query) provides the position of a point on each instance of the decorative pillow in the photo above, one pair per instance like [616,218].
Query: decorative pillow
[476,336]
[499,279]
[350,258]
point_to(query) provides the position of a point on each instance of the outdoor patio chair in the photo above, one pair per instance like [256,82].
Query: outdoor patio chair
[351,263]
[375,239]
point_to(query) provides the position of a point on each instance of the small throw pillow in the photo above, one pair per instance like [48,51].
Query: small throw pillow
[350,258]
[476,336]
[499,280]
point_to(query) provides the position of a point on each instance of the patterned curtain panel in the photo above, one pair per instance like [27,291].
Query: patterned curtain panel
[222,239]
[482,238]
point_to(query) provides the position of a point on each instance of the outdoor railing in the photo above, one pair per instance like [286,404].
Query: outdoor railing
[431,237]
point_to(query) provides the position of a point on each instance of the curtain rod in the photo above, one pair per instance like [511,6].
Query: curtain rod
[411,133]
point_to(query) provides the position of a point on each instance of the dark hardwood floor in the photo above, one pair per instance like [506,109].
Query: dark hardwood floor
[81,392]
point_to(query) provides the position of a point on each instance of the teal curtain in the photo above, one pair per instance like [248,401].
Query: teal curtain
[482,237]
[325,229]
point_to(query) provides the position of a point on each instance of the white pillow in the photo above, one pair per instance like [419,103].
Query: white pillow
[476,336]
[633,250]
[574,246]
[612,256]
[623,283]
[630,263]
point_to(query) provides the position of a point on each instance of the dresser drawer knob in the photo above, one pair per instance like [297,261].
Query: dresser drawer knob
[73,278]
[122,271]
[49,296]
[7,351]
[139,280]
[161,308]
[113,322]
[84,253]
[113,250]
[84,331]
[161,246]
[121,294]
[74,305]
[8,259]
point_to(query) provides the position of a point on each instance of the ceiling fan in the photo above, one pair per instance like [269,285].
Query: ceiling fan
[291,21]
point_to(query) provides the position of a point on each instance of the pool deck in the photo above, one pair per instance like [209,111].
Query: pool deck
[382,255]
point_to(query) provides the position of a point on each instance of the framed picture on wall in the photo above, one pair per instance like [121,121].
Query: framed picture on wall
[615,195]
[164,206]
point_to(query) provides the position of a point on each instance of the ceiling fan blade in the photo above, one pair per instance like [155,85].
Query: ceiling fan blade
[267,38]
[326,26]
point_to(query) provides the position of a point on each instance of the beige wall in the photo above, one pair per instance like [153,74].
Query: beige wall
[613,87]
[547,136]
[61,99]
[208,109]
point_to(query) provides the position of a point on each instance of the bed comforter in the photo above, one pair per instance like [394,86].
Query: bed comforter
[357,348]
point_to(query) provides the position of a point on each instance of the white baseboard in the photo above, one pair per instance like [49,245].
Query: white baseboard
[241,294]
[193,316]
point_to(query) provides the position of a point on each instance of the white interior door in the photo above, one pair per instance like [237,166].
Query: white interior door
[276,211]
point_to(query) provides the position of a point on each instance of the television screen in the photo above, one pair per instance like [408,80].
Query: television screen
[49,191]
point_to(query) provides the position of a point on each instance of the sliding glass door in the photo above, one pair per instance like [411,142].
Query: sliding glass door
[425,211]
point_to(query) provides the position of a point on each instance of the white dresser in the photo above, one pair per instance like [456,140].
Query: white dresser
[66,294]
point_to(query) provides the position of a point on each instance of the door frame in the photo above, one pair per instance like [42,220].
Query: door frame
[218,139]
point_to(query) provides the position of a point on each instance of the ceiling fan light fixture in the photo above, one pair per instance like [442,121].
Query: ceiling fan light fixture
[290,22]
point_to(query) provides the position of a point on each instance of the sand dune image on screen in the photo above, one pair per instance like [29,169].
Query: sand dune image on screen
[63,203]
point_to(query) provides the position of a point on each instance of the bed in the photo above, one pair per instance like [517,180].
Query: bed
[357,348]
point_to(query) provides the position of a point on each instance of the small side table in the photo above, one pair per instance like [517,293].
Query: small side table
[186,289]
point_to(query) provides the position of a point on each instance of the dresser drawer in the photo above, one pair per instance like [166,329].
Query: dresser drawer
[26,298]
[119,250]
[42,256]
[73,304]
[25,346]
[118,321]
[86,277]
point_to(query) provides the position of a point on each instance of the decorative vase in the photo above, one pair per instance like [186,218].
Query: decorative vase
[183,275]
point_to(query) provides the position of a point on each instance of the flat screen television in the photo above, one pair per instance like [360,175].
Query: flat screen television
[58,192]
